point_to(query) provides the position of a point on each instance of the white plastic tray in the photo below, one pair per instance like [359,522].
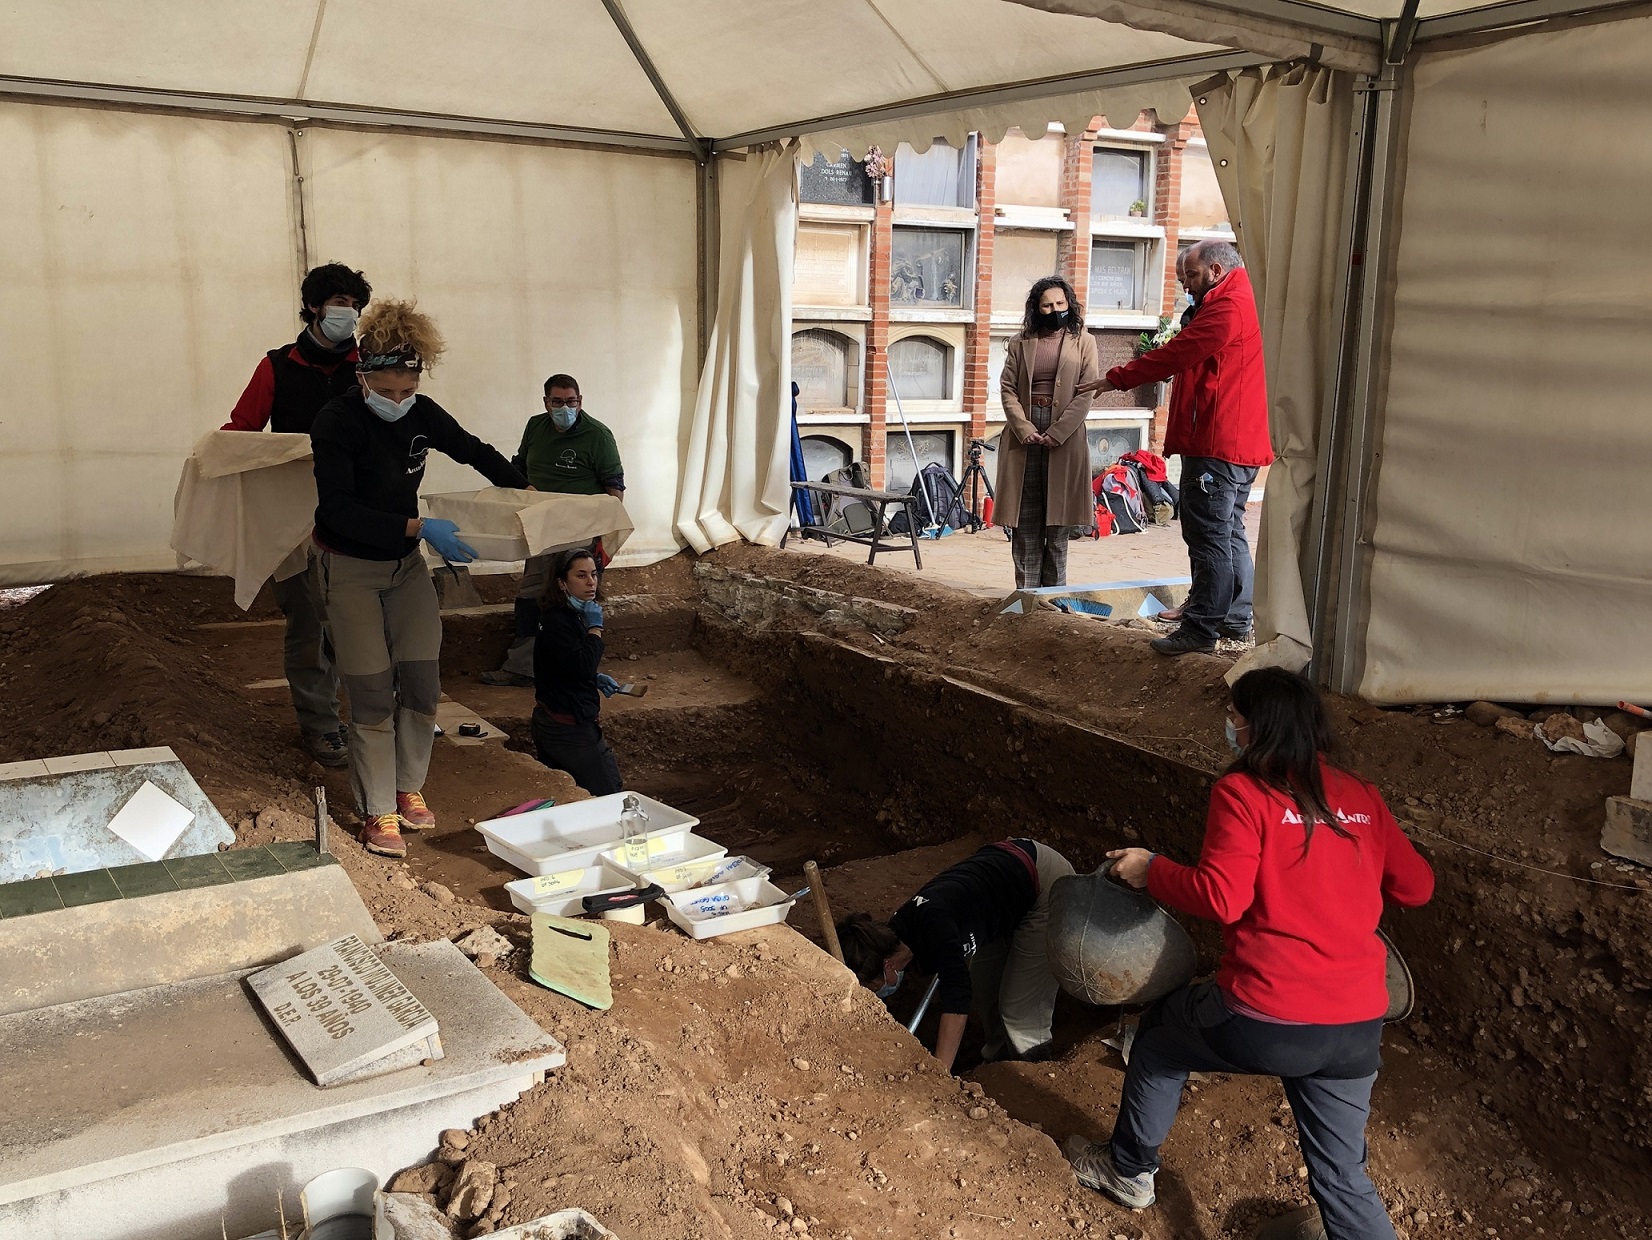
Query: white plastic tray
[558,838]
[676,859]
[691,909]
[561,894]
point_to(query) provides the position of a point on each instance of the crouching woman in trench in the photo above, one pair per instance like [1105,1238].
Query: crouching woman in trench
[370,447]
[1298,856]
[568,687]
[979,927]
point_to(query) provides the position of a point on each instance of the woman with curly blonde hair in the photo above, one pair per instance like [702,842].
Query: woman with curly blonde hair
[370,447]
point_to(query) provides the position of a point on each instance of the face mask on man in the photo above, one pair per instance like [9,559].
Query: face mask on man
[384,407]
[1049,321]
[885,991]
[338,323]
[564,419]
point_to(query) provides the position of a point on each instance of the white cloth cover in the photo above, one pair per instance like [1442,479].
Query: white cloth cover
[737,469]
[245,506]
[1279,140]
[1511,544]
[533,522]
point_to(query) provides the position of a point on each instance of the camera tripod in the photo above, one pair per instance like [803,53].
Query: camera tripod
[975,477]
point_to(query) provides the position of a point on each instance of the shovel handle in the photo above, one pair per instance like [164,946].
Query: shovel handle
[823,909]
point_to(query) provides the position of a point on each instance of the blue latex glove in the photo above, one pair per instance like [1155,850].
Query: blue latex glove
[590,611]
[607,684]
[443,537]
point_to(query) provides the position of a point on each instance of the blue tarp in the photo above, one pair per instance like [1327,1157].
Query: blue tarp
[800,473]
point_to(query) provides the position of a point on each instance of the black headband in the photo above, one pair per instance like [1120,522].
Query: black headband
[403,358]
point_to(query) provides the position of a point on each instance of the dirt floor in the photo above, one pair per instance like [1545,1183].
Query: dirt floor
[744,1086]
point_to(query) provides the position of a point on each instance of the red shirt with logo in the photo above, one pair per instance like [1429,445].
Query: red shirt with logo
[1299,927]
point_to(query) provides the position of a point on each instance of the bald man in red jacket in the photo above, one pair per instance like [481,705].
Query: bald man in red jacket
[1219,427]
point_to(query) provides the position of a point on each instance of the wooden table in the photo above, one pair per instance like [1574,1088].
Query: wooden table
[876,540]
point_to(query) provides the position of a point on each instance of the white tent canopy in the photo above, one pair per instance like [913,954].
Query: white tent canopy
[562,184]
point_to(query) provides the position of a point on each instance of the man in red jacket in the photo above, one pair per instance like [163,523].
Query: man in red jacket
[1219,427]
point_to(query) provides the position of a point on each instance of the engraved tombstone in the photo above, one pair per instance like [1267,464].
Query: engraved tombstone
[344,1012]
[842,183]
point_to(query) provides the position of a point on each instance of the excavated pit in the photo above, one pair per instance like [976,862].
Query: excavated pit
[884,745]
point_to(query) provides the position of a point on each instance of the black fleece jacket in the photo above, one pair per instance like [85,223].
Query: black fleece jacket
[367,472]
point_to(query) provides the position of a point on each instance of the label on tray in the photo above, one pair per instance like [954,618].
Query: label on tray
[545,884]
[685,872]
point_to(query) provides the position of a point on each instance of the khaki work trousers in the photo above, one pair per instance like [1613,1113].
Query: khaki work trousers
[1011,979]
[387,644]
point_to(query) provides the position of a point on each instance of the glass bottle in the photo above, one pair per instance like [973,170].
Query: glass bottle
[634,831]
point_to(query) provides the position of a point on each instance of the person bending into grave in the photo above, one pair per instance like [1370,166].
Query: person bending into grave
[568,687]
[370,448]
[979,928]
[1298,857]
[565,451]
[288,388]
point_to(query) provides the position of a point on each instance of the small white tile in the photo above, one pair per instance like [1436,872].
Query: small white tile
[138,757]
[151,821]
[23,770]
[78,762]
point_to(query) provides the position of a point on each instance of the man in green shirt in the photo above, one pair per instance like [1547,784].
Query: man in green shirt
[565,451]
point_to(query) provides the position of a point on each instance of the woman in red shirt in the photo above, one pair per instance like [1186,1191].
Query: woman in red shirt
[1298,857]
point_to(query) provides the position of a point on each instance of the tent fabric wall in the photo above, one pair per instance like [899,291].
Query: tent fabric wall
[1279,140]
[533,260]
[148,261]
[736,467]
[1510,545]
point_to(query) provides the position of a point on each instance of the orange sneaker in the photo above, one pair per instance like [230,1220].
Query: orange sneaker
[415,814]
[382,834]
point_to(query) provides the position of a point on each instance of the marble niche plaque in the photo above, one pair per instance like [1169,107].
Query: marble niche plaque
[345,1014]
[828,269]
[840,184]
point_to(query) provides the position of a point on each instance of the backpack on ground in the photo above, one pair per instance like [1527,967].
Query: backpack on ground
[845,514]
[938,481]
[1116,487]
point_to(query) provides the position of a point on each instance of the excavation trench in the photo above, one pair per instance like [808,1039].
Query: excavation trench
[829,731]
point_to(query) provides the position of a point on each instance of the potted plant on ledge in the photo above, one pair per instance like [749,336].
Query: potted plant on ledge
[1138,210]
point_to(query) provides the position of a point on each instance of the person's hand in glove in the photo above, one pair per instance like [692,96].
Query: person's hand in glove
[443,537]
[607,684]
[589,610]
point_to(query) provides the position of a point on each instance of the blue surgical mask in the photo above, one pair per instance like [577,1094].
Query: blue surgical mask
[384,407]
[1232,734]
[338,323]
[885,991]
[564,419]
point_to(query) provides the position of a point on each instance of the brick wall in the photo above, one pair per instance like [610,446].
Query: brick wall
[1073,248]
[978,337]
[877,343]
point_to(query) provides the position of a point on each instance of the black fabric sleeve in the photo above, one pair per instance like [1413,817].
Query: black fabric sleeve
[937,944]
[336,449]
[451,439]
[565,661]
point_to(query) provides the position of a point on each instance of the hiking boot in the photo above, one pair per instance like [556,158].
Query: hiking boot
[327,748]
[414,813]
[1169,615]
[1093,1164]
[382,834]
[1235,634]
[511,680]
[1183,641]
[1303,1224]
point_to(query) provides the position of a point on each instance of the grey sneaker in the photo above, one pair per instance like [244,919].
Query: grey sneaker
[1093,1164]
[328,748]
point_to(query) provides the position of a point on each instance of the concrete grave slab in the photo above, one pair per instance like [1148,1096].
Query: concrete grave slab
[1123,600]
[155,1113]
[57,820]
[344,1012]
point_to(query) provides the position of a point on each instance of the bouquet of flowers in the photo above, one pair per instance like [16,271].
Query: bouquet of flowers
[1166,332]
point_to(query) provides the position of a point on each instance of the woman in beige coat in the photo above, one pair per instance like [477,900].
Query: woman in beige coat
[1044,455]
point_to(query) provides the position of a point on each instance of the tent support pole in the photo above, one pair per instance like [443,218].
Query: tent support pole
[709,243]
[1347,457]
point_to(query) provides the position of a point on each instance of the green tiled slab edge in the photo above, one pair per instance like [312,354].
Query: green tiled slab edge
[129,882]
